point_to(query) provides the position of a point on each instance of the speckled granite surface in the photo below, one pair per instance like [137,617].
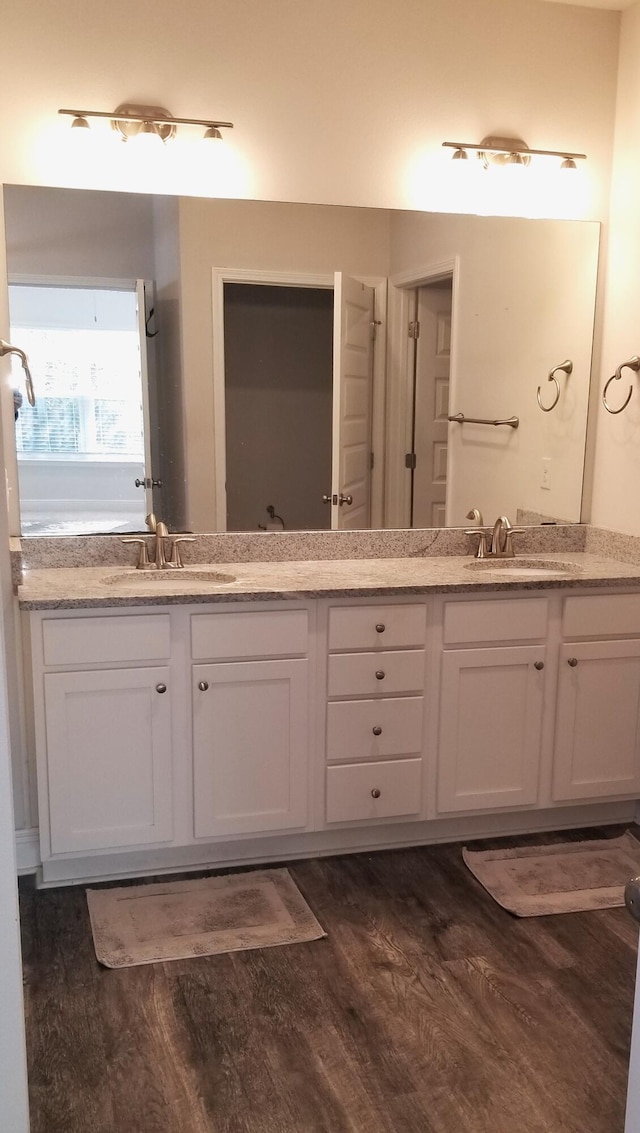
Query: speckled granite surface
[611,544]
[276,546]
[84,587]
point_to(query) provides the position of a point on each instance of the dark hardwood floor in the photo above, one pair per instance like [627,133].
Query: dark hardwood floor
[427,1009]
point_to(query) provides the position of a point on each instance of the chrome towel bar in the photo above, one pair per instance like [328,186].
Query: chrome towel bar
[512,422]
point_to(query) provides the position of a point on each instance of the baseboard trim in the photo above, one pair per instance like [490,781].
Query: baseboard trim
[316,844]
[28,850]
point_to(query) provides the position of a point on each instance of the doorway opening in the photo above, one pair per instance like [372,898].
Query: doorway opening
[294,373]
[278,405]
[81,448]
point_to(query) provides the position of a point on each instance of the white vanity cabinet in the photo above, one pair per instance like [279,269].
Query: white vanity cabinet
[374,711]
[597,738]
[103,728]
[491,703]
[177,736]
[250,721]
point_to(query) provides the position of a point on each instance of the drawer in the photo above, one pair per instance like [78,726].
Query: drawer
[74,641]
[351,723]
[268,633]
[605,615]
[354,674]
[376,627]
[504,619]
[352,790]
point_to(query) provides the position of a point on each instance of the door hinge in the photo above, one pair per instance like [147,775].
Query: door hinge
[410,460]
[371,460]
[414,329]
[374,324]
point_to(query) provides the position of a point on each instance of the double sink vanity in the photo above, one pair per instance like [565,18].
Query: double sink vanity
[273,706]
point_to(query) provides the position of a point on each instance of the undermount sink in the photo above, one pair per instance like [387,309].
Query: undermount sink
[524,568]
[182,576]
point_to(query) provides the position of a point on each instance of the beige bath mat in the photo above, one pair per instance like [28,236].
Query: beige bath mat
[174,920]
[567,877]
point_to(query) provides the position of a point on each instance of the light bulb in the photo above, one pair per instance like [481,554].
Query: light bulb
[148,138]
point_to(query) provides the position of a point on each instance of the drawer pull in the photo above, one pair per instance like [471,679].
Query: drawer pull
[377,731]
[161,688]
[203,686]
[379,674]
[538,665]
[380,628]
[573,661]
[376,792]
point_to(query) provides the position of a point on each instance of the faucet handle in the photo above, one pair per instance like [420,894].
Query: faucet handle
[143,555]
[509,552]
[175,558]
[481,552]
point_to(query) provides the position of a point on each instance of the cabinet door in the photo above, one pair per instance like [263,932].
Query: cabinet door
[108,735]
[597,746]
[250,746]
[490,728]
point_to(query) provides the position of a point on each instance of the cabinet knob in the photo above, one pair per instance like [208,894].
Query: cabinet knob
[573,661]
[161,688]
[538,664]
[376,792]
[377,731]
[380,628]
[203,686]
[379,674]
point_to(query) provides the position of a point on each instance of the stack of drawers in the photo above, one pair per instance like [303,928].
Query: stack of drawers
[375,712]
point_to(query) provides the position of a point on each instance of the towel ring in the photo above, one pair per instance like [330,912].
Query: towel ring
[632,364]
[567,368]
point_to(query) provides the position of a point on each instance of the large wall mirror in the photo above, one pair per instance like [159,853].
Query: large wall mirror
[243,365]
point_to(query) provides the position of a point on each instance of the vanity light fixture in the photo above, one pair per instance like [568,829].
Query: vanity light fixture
[510,152]
[133,121]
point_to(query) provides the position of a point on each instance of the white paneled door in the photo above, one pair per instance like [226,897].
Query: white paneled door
[431,426]
[352,403]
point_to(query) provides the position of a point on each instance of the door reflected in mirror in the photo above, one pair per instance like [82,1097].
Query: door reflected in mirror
[293,354]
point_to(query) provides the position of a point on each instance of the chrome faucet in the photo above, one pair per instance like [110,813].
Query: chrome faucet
[501,539]
[159,560]
[501,545]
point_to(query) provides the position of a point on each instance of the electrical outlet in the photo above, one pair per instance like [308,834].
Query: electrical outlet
[545,482]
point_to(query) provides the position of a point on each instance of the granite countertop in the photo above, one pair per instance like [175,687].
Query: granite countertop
[109,585]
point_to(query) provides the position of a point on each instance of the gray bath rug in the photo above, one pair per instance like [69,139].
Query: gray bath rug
[143,924]
[567,877]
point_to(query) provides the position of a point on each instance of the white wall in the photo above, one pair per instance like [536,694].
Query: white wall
[332,102]
[524,299]
[616,498]
[104,235]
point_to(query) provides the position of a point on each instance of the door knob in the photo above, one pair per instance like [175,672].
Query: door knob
[147,482]
[327,499]
[345,500]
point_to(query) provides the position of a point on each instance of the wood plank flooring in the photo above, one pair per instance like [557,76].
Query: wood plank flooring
[427,1009]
